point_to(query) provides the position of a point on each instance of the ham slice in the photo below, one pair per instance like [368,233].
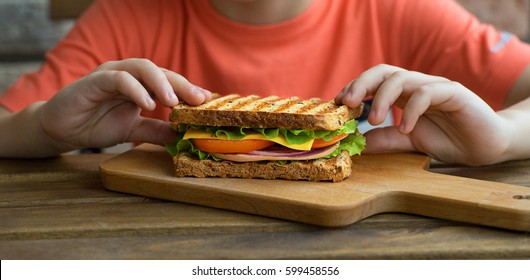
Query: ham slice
[277,152]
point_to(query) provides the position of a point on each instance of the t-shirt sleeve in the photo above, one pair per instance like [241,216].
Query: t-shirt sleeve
[441,38]
[94,39]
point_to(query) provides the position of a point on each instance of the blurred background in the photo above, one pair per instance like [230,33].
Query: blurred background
[29,27]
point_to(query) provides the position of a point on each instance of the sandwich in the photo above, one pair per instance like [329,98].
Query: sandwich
[266,138]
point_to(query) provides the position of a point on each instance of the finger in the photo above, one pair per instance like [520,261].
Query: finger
[440,96]
[121,82]
[189,93]
[152,131]
[387,139]
[397,89]
[341,99]
[150,76]
[365,85]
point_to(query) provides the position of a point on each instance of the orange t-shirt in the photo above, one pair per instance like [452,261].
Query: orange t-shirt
[314,54]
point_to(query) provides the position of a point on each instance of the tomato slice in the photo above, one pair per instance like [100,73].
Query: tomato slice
[319,143]
[230,146]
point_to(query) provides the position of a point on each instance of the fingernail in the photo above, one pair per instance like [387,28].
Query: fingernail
[205,94]
[373,114]
[402,127]
[199,90]
[171,95]
[149,101]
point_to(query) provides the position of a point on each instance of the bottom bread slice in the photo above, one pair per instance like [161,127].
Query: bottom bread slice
[333,169]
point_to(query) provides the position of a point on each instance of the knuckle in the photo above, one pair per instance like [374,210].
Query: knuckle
[399,75]
[107,65]
[383,66]
[424,89]
[177,78]
[387,68]
[456,84]
[143,62]
[119,75]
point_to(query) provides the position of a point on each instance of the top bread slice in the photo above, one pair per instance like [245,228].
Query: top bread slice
[266,112]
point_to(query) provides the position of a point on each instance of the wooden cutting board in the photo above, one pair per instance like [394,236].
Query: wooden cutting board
[379,183]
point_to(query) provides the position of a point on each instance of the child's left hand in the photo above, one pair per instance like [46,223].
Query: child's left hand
[441,118]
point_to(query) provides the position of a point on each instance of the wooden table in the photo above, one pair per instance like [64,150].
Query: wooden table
[58,209]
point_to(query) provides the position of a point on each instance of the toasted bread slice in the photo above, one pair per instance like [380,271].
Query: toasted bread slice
[333,169]
[268,112]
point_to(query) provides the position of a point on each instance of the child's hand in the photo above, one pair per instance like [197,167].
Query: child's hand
[103,108]
[441,118]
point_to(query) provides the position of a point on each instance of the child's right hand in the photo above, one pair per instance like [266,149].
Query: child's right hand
[103,108]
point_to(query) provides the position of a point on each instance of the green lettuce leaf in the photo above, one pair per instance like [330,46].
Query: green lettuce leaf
[292,136]
[354,144]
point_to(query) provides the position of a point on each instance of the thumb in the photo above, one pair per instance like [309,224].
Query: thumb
[386,140]
[152,131]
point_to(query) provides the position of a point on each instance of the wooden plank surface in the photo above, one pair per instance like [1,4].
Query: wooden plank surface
[70,215]
[66,168]
[408,238]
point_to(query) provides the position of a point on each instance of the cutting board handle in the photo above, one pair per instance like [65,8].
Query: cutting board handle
[464,199]
[403,183]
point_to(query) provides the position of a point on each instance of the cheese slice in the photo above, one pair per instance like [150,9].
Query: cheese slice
[193,133]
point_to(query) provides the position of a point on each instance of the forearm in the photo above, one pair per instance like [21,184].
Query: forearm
[23,137]
[517,119]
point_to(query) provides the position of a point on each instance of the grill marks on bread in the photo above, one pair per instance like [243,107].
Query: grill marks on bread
[266,112]
[292,105]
